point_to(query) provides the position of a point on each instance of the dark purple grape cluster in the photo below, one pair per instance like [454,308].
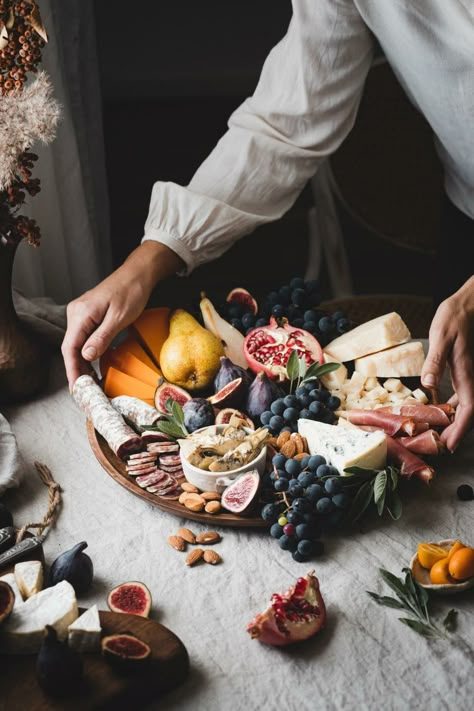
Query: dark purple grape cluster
[309,401]
[305,498]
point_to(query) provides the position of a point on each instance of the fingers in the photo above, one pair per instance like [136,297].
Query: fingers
[440,344]
[102,337]
[463,422]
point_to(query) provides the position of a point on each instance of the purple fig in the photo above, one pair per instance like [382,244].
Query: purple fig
[262,392]
[229,371]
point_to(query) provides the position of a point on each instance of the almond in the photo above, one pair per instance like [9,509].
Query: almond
[187,535]
[177,542]
[194,502]
[210,495]
[298,440]
[305,444]
[186,486]
[212,557]
[282,438]
[272,442]
[288,449]
[213,507]
[183,497]
[209,537]
[194,555]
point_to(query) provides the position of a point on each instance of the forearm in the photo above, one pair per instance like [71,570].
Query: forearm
[150,263]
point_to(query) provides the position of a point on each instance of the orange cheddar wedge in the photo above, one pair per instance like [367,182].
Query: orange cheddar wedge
[114,356]
[117,383]
[151,330]
[131,365]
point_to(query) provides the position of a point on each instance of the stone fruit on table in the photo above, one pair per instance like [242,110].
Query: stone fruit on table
[132,598]
[198,412]
[292,616]
[239,497]
[262,392]
[190,356]
[166,391]
[229,371]
[59,669]
[439,573]
[224,416]
[231,339]
[461,564]
[231,394]
[125,651]
[75,566]
[244,297]
[268,348]
[7,600]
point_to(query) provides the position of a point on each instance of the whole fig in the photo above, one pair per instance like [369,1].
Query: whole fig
[198,413]
[229,371]
[74,566]
[59,669]
[262,392]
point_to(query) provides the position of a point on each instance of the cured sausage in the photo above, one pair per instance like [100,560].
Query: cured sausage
[120,437]
[136,411]
[386,421]
[435,415]
[427,443]
[408,463]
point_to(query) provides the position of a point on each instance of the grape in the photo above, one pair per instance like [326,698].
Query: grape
[276,530]
[300,391]
[314,492]
[284,292]
[337,315]
[304,530]
[294,517]
[281,484]
[279,460]
[304,462]
[289,529]
[293,467]
[309,315]
[272,298]
[282,521]
[299,557]
[305,414]
[276,422]
[277,406]
[296,283]
[290,400]
[343,325]
[324,395]
[333,486]
[248,320]
[325,324]
[270,512]
[290,414]
[274,475]
[305,547]
[306,479]
[237,323]
[304,400]
[323,470]
[316,461]
[235,309]
[298,323]
[301,505]
[314,394]
[309,386]
[265,417]
[315,408]
[333,402]
[465,492]
[261,322]
[341,501]
[324,505]
[287,543]
[295,490]
[278,310]
[298,297]
[286,428]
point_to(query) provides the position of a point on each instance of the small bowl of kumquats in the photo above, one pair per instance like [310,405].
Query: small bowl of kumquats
[446,567]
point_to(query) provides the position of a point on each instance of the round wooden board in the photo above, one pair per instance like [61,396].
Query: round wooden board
[104,687]
[116,468]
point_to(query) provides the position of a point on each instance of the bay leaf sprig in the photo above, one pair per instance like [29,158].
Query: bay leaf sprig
[298,372]
[376,487]
[413,599]
[171,423]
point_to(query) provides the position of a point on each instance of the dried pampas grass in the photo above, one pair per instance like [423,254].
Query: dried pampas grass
[25,117]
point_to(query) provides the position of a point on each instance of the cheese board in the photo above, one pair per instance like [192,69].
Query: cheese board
[115,467]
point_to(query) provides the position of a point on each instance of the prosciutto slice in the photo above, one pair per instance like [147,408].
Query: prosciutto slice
[427,443]
[408,462]
[389,423]
[435,415]
[90,397]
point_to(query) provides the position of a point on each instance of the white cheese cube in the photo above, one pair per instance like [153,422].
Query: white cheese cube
[84,633]
[370,337]
[371,383]
[9,578]
[337,377]
[406,392]
[403,361]
[393,384]
[396,398]
[378,394]
[344,447]
[29,576]
[419,395]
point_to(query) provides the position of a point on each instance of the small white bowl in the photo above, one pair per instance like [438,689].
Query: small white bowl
[218,481]
[422,575]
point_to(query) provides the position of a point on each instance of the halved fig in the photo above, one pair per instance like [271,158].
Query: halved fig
[166,391]
[242,296]
[223,417]
[7,600]
[230,394]
[132,598]
[125,651]
[239,497]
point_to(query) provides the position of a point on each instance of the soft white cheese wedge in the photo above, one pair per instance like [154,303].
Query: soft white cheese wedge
[370,337]
[345,447]
[23,631]
[29,576]
[10,579]
[84,633]
[403,361]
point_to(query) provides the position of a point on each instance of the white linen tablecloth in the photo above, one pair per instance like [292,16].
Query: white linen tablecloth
[364,659]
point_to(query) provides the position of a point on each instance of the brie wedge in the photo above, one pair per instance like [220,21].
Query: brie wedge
[84,633]
[10,579]
[29,576]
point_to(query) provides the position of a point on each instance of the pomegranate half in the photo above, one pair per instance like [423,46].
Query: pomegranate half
[292,616]
[268,348]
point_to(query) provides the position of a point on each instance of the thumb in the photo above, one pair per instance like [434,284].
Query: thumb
[101,338]
[435,362]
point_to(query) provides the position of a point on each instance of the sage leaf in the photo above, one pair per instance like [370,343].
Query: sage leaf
[381,503]
[394,506]
[420,627]
[394,583]
[361,501]
[175,409]
[380,485]
[360,471]
[301,366]
[386,601]
[293,366]
[316,370]
[170,428]
[394,477]
[450,621]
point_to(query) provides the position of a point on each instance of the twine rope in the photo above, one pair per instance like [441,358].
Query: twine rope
[54,502]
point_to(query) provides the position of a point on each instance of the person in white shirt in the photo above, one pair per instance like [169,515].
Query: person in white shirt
[303,107]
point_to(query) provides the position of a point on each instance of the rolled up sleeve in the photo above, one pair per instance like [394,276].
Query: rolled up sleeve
[303,107]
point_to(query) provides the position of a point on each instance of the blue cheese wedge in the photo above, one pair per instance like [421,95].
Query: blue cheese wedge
[10,579]
[29,577]
[84,633]
[345,448]
[370,337]
[23,631]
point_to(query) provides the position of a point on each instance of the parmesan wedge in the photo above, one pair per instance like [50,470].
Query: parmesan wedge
[403,361]
[336,378]
[370,337]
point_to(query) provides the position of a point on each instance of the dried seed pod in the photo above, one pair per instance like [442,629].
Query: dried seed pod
[212,557]
[194,556]
[208,537]
[187,535]
[177,542]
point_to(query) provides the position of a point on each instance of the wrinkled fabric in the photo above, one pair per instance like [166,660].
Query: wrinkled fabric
[364,659]
[304,106]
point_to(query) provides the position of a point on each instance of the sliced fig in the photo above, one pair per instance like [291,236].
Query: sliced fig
[292,616]
[125,651]
[229,371]
[132,598]
[239,496]
[223,417]
[231,394]
[7,600]
[242,296]
[165,391]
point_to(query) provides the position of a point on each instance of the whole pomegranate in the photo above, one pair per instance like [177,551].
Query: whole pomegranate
[268,348]
[292,616]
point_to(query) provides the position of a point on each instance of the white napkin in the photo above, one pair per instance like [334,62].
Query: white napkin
[10,461]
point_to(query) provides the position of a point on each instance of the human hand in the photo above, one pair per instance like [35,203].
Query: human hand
[96,317]
[451,343]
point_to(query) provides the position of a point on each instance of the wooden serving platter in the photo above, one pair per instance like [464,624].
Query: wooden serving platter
[104,687]
[116,468]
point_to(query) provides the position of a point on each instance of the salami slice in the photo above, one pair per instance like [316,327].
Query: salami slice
[170,459]
[176,470]
[120,437]
[160,490]
[136,411]
[150,436]
[138,456]
[157,477]
[138,467]
[164,448]
[140,472]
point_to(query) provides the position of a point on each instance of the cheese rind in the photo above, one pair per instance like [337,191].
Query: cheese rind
[10,579]
[29,577]
[403,361]
[370,337]
[23,631]
[84,633]
[343,448]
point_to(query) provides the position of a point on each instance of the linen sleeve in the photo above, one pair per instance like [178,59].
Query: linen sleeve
[303,107]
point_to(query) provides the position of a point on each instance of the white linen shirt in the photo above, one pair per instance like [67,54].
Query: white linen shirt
[305,105]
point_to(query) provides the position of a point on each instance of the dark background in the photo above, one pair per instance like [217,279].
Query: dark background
[172,73]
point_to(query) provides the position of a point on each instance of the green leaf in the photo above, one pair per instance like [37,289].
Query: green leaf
[381,503]
[316,370]
[412,592]
[450,621]
[394,505]
[175,409]
[361,501]
[420,627]
[396,584]
[380,485]
[301,367]
[170,428]
[394,477]
[360,471]
[387,601]
[293,366]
